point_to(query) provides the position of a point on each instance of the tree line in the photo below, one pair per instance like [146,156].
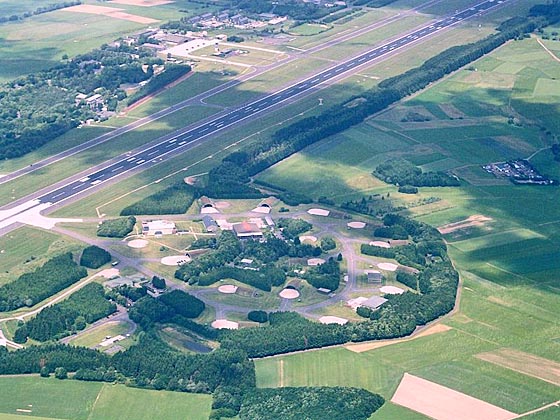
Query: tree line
[310,403]
[85,306]
[30,288]
[288,140]
[38,11]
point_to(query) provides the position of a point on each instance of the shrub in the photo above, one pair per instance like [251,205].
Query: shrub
[94,257]
[258,316]
[116,228]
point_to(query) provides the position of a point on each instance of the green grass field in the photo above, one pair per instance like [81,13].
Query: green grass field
[509,265]
[26,248]
[52,398]
[96,336]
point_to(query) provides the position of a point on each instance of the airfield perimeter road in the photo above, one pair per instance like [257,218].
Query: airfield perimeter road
[171,147]
[340,38]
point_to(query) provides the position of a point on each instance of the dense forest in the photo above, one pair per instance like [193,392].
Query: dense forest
[310,403]
[85,306]
[31,288]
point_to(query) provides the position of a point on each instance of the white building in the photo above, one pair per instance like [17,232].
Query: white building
[158,227]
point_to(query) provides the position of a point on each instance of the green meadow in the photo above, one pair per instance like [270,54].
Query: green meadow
[67,399]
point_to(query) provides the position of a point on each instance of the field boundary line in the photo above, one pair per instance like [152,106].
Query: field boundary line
[536,410]
[547,50]
[96,399]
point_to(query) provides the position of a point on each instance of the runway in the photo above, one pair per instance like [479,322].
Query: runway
[173,146]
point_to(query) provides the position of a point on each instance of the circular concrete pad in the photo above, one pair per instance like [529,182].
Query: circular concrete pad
[228,289]
[388,266]
[356,225]
[309,238]
[138,243]
[225,324]
[312,262]
[391,290]
[380,244]
[289,294]
[332,320]
[175,260]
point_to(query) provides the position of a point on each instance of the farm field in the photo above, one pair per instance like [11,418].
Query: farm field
[40,41]
[52,398]
[509,263]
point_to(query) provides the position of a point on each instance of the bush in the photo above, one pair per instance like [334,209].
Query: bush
[258,316]
[183,303]
[94,257]
[158,283]
[327,243]
[60,373]
[408,189]
[116,228]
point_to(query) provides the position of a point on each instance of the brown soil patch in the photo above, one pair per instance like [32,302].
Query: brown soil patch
[442,403]
[143,3]
[528,364]
[109,12]
[360,348]
[474,220]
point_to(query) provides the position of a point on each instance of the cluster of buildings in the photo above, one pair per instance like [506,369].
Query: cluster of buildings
[519,171]
[227,19]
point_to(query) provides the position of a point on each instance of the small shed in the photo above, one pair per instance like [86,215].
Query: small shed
[374,276]
[374,302]
[210,224]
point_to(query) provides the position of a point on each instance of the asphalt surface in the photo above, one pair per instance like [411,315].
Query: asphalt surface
[173,145]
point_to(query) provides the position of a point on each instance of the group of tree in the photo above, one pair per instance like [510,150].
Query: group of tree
[149,310]
[94,257]
[264,278]
[326,275]
[229,180]
[401,172]
[85,306]
[41,106]
[38,11]
[116,228]
[292,228]
[228,247]
[372,205]
[310,403]
[175,199]
[30,288]
[556,151]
